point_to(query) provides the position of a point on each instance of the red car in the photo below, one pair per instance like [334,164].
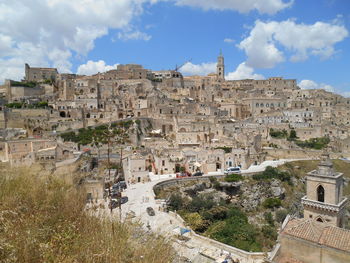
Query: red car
[184,174]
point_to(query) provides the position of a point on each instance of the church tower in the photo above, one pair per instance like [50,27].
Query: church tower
[324,201]
[220,67]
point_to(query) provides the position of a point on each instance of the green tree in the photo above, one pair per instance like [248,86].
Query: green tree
[196,222]
[272,202]
[281,215]
[269,218]
[175,202]
[292,135]
[236,231]
[233,178]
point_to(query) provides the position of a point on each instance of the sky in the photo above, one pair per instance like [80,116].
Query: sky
[295,39]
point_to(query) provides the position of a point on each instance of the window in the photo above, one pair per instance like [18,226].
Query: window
[320,193]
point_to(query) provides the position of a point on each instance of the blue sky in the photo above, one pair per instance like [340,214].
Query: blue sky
[307,40]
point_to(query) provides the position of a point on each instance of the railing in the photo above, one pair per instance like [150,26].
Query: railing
[330,207]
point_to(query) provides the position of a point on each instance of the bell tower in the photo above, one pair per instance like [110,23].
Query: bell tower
[220,67]
[324,201]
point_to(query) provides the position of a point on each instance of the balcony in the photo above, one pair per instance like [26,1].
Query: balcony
[324,206]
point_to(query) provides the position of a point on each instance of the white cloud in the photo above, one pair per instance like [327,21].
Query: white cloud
[48,32]
[242,6]
[229,40]
[93,67]
[134,35]
[262,45]
[243,72]
[198,69]
[310,84]
[346,94]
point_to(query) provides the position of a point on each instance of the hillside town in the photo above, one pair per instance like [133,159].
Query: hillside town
[145,126]
[192,122]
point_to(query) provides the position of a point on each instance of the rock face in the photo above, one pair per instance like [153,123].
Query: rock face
[277,190]
[254,195]
[193,190]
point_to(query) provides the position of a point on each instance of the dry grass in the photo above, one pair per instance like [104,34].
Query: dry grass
[42,219]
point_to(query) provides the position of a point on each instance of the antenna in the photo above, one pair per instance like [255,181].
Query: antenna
[177,68]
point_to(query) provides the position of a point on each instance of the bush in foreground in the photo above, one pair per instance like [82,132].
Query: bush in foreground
[43,219]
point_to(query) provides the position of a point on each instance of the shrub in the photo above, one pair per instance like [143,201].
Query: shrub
[196,222]
[44,219]
[213,179]
[281,215]
[269,218]
[175,202]
[272,203]
[14,105]
[236,231]
[225,148]
[233,178]
[269,232]
[271,172]
[292,135]
[201,202]
[216,213]
[314,143]
[278,134]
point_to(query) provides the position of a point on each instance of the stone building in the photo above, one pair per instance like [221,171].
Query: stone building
[309,241]
[319,236]
[324,201]
[135,168]
[40,74]
[220,68]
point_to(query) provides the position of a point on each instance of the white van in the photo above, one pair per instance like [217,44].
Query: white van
[232,170]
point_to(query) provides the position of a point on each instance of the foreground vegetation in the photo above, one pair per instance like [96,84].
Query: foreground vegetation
[42,219]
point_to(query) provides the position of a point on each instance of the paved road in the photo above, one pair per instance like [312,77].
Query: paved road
[141,196]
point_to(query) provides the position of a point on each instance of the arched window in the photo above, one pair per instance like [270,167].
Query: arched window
[320,193]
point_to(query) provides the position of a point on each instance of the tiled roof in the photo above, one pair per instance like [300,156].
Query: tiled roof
[319,233]
[336,237]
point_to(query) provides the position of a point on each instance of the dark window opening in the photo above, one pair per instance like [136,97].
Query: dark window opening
[320,193]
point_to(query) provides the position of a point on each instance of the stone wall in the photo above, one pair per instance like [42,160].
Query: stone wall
[295,154]
[310,252]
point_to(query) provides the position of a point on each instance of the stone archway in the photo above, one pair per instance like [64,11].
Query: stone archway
[320,194]
[37,131]
[319,220]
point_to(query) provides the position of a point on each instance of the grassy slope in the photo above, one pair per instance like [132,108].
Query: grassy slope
[42,219]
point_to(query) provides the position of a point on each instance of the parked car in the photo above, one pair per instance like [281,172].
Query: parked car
[115,194]
[232,170]
[113,204]
[124,199]
[120,185]
[123,185]
[198,173]
[150,211]
[183,174]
